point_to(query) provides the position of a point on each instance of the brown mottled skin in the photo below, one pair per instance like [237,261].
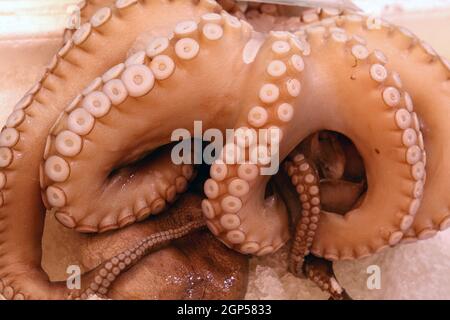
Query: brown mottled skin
[194,267]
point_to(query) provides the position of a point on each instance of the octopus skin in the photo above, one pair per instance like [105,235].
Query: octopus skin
[430,95]
[101,122]
[402,50]
[425,220]
[194,267]
[377,137]
[21,273]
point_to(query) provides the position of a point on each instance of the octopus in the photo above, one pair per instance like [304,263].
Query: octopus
[336,95]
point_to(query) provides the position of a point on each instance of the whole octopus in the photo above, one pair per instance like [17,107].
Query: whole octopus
[357,106]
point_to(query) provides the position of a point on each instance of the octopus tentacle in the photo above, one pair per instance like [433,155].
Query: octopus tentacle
[245,223]
[430,95]
[23,143]
[136,92]
[105,129]
[145,189]
[305,179]
[320,271]
[183,220]
[99,280]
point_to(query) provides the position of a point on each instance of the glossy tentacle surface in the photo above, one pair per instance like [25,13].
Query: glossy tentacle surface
[430,95]
[99,281]
[306,181]
[102,167]
[36,113]
[183,219]
[377,130]
[401,50]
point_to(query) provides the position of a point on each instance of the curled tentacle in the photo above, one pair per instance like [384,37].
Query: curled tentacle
[74,71]
[402,50]
[360,97]
[185,218]
[115,111]
[375,119]
[119,198]
[305,179]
